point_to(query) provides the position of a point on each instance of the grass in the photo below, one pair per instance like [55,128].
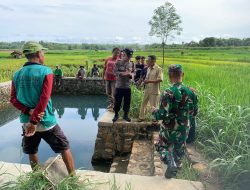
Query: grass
[221,77]
[224,136]
[223,129]
[187,172]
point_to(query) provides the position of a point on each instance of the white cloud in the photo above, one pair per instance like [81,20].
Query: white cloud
[103,21]
[6,8]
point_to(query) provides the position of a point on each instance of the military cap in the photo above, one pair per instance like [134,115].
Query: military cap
[175,68]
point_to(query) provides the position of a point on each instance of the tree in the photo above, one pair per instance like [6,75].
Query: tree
[208,42]
[165,23]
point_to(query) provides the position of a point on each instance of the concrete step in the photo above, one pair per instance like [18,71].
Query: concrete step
[141,160]
[137,182]
[120,164]
[106,120]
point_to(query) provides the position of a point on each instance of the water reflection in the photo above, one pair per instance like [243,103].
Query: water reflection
[8,114]
[95,113]
[76,115]
[82,112]
[83,103]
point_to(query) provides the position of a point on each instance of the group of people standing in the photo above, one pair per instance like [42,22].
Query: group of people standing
[120,72]
[178,105]
[176,108]
[81,73]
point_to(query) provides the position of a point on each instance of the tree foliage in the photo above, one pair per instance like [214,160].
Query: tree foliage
[165,23]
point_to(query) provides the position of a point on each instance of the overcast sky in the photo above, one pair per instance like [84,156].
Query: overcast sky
[118,21]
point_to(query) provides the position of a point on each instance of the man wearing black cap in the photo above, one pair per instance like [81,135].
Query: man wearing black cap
[123,72]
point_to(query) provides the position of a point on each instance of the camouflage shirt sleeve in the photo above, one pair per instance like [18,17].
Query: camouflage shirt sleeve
[195,101]
[163,110]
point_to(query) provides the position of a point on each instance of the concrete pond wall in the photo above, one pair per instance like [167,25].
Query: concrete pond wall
[5,88]
[74,86]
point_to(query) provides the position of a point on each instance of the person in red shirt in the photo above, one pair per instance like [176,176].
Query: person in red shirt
[110,77]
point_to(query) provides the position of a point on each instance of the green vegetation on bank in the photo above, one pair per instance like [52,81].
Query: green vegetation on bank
[206,42]
[221,77]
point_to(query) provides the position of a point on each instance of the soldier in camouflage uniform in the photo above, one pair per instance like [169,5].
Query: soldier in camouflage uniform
[178,105]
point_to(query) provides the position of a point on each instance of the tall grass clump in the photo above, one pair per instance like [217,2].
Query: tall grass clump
[224,136]
[136,100]
[37,181]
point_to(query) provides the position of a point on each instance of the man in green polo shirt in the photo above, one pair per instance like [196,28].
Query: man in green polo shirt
[30,93]
[58,75]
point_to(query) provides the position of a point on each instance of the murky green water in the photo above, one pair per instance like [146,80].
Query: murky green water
[76,115]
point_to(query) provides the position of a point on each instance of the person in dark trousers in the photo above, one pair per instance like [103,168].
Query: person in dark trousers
[191,135]
[138,68]
[123,72]
[31,94]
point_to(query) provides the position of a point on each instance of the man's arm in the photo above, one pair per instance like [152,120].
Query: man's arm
[152,81]
[160,113]
[104,68]
[14,101]
[44,98]
[130,70]
[116,70]
[195,101]
[196,107]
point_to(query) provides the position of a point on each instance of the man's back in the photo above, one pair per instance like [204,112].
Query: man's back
[29,84]
[178,103]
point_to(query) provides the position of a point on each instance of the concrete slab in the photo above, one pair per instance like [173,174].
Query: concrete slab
[106,120]
[10,171]
[141,160]
[140,182]
[137,182]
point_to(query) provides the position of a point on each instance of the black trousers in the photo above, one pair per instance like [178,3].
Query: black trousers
[124,94]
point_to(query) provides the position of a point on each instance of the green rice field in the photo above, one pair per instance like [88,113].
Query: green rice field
[221,78]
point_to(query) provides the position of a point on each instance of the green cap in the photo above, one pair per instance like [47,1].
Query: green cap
[32,47]
[175,68]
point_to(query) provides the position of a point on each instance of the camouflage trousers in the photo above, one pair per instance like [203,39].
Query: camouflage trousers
[172,141]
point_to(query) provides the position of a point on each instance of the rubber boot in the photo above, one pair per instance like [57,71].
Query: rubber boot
[172,167]
[178,162]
